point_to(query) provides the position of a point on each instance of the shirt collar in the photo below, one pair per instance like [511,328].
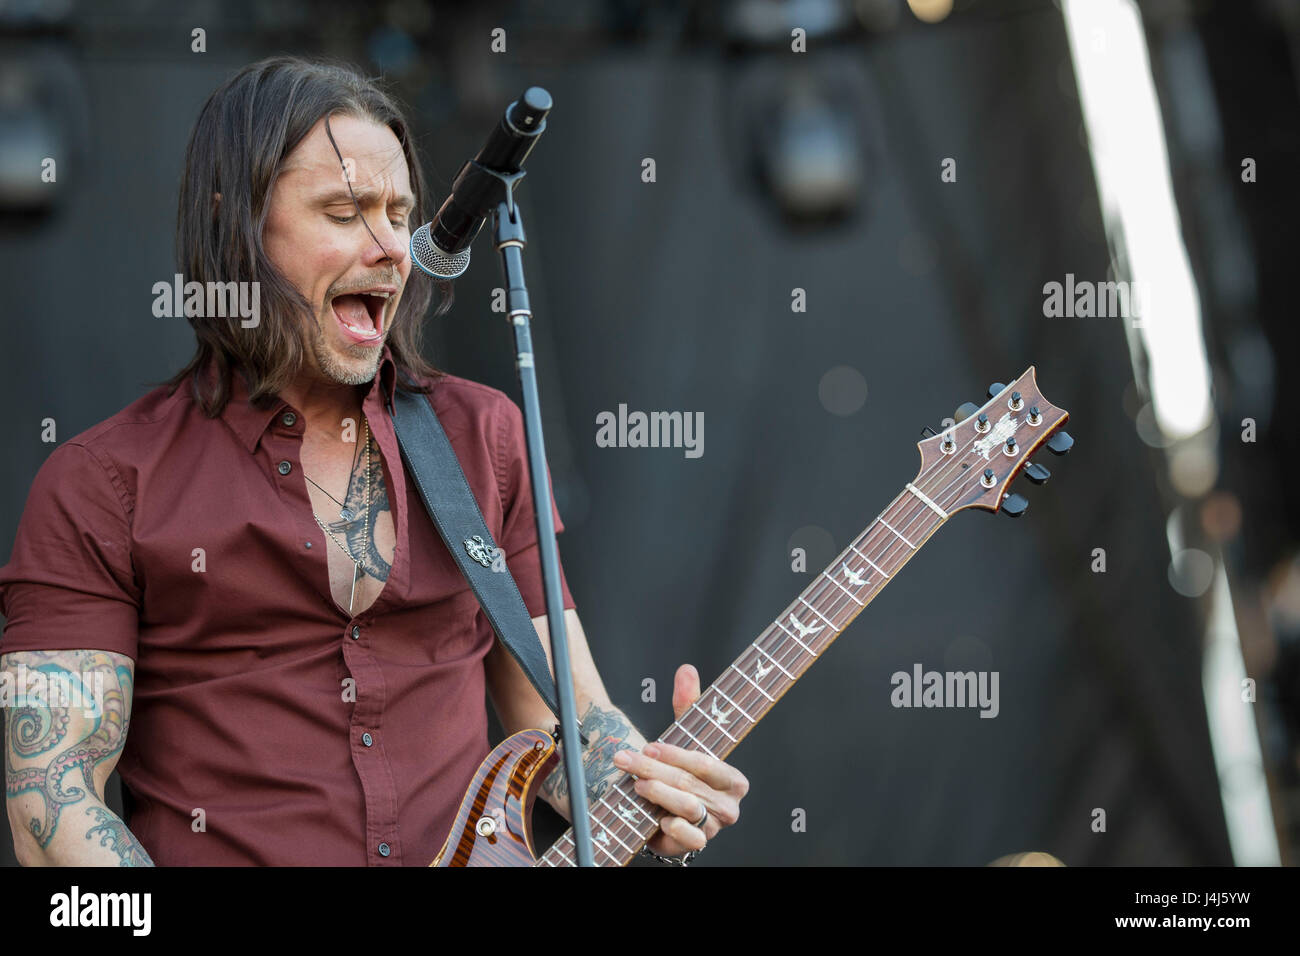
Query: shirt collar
[250,422]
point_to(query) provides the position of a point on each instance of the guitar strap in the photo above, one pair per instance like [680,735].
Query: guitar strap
[431,460]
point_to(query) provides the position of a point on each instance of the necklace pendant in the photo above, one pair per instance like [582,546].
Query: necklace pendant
[351,597]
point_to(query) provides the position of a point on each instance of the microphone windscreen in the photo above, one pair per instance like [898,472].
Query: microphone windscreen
[433,260]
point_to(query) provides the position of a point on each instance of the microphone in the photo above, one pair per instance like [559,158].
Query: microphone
[441,247]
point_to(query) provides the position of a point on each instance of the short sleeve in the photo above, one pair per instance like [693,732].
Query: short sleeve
[518,536]
[69,583]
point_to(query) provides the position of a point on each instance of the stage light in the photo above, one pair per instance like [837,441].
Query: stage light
[1126,139]
[1230,717]
[930,11]
[1033,858]
[813,164]
[760,23]
[29,139]
[42,111]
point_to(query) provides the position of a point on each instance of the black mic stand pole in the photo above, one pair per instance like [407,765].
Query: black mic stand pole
[509,239]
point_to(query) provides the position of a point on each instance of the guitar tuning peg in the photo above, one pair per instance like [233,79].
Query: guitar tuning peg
[1060,443]
[928,432]
[965,410]
[1014,505]
[996,389]
[1037,473]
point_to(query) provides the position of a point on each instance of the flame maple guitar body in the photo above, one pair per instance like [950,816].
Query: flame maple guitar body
[493,826]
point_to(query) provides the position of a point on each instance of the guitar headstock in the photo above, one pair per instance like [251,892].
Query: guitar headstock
[972,463]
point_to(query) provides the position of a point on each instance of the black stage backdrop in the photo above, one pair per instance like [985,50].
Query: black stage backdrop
[675,295]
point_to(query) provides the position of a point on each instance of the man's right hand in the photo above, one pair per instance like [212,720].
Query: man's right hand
[59,755]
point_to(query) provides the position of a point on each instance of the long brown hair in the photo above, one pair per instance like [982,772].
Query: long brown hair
[246,129]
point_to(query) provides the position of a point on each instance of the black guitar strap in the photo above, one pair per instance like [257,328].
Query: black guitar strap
[431,460]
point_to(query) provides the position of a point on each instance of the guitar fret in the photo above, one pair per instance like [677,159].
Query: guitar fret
[697,706]
[693,737]
[642,810]
[637,806]
[773,660]
[718,691]
[567,836]
[619,818]
[602,849]
[916,511]
[844,589]
[819,614]
[797,641]
[867,559]
[891,528]
[613,834]
[924,498]
[756,687]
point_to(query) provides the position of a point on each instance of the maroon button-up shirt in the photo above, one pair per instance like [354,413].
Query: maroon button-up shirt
[175,539]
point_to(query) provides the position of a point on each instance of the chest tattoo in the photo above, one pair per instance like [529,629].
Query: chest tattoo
[359,531]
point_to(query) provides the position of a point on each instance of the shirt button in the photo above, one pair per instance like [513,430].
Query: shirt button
[289,418]
[284,468]
[367,739]
[356,632]
[384,849]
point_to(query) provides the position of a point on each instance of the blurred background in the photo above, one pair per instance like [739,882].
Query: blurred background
[922,171]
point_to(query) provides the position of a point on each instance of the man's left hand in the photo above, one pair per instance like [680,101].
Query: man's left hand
[685,782]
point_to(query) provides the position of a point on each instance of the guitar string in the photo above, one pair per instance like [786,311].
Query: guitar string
[949,468]
[908,524]
[614,827]
[743,696]
[841,601]
[947,465]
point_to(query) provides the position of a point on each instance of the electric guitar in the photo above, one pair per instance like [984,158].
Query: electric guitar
[970,464]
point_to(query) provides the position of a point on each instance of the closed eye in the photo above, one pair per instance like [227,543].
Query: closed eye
[344,220]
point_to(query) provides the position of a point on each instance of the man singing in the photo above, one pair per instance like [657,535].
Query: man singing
[279,655]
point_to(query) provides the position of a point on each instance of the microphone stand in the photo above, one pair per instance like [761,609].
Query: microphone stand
[508,229]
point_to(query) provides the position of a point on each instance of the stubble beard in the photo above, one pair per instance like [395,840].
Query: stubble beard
[360,366]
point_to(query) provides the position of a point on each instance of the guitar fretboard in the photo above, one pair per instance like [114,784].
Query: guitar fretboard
[622,820]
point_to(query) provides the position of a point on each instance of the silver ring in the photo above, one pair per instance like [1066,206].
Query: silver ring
[699,824]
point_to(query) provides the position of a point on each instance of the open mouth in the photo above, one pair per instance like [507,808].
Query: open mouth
[361,314]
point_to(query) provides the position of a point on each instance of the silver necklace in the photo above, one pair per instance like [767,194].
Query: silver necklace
[346,514]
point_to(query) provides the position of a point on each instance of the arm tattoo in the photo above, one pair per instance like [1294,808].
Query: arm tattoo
[36,727]
[113,834]
[607,732]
